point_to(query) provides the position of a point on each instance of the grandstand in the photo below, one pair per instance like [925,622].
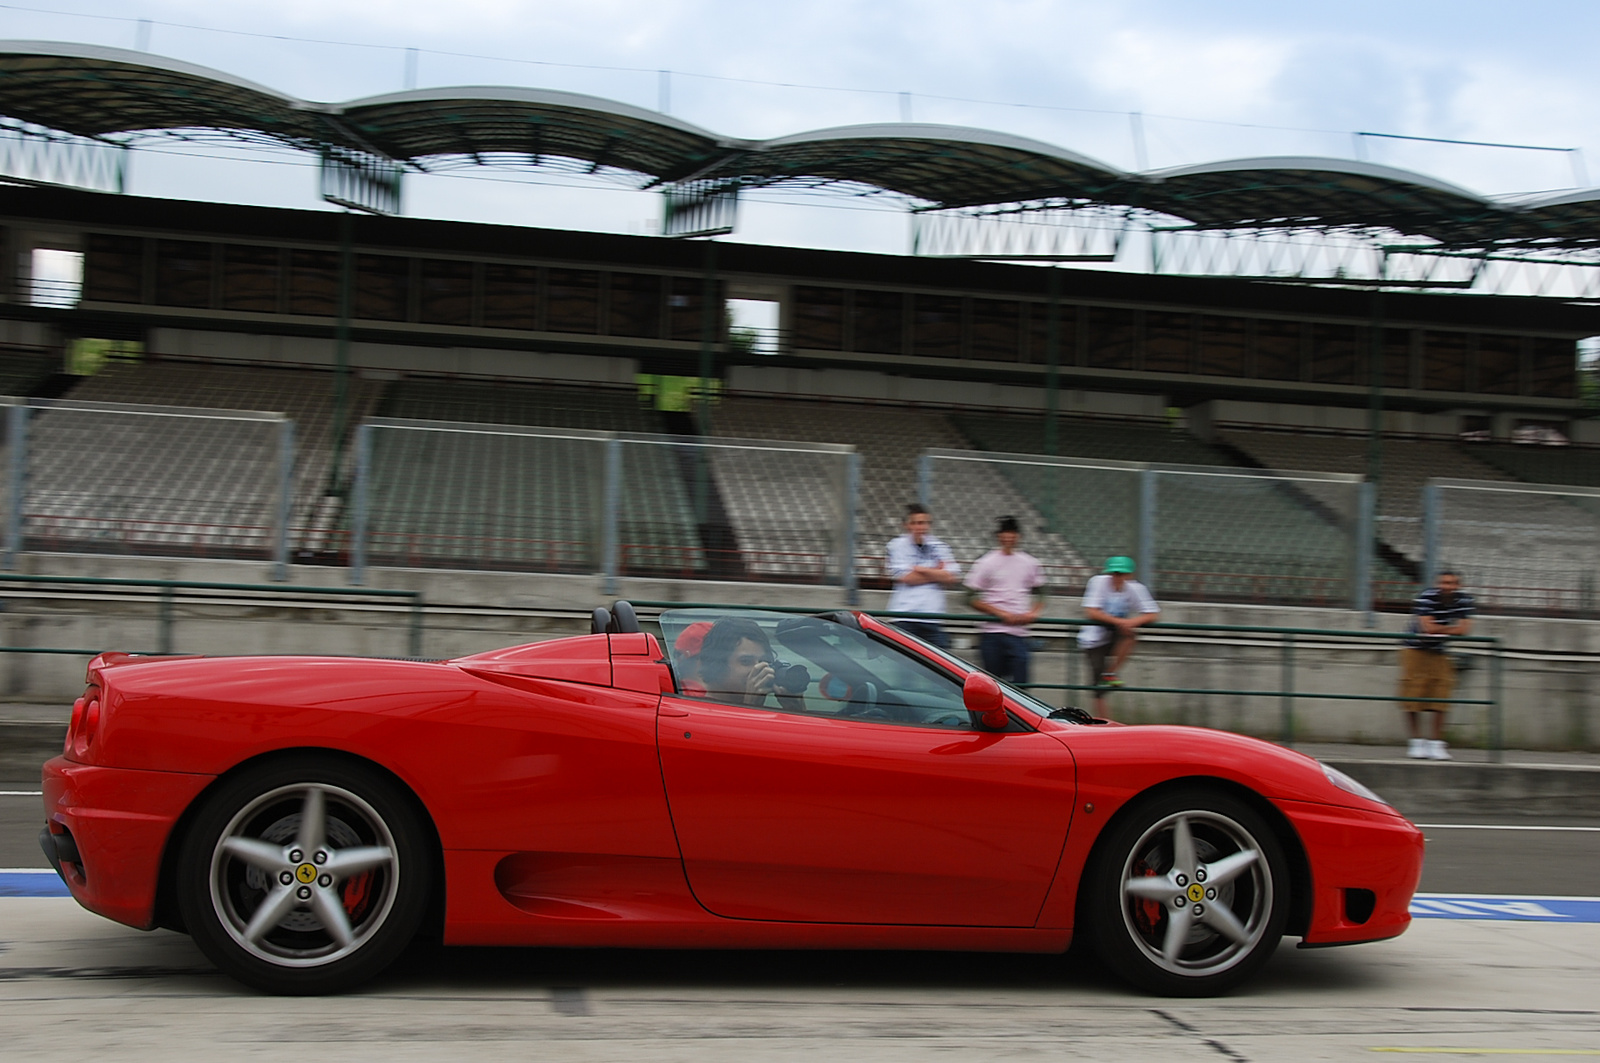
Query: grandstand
[890,440]
[179,457]
[448,489]
[490,409]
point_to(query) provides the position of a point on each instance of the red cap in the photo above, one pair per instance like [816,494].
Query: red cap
[692,637]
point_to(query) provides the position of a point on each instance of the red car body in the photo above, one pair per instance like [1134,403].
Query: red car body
[577,798]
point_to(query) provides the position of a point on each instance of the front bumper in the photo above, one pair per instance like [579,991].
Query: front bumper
[1354,853]
[109,828]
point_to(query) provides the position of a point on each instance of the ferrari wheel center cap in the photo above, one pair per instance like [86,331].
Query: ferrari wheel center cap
[306,874]
[1197,892]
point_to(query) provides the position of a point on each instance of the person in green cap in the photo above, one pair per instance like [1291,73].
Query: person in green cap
[1116,606]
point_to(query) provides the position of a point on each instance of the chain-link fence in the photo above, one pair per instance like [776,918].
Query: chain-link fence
[512,498]
[132,479]
[1197,532]
[1518,547]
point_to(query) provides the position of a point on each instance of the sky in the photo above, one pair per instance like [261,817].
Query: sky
[1208,81]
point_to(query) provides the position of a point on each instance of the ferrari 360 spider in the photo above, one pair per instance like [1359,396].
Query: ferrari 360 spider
[744,779]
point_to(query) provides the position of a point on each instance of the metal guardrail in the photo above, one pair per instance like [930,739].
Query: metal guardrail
[1287,639]
[169,590]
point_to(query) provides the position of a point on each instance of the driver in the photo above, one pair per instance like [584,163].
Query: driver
[735,663]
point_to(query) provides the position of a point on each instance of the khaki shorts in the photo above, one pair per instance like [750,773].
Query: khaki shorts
[1425,674]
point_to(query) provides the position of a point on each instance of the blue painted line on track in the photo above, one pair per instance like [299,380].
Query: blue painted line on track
[1518,909]
[29,883]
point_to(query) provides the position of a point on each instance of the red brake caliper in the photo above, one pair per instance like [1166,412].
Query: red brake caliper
[356,893]
[1147,913]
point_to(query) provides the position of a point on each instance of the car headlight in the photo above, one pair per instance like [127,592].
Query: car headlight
[1351,786]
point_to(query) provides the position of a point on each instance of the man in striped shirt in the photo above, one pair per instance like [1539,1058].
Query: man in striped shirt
[1426,671]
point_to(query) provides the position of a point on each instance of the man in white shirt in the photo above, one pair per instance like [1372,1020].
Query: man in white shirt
[1008,585]
[921,568]
[1115,606]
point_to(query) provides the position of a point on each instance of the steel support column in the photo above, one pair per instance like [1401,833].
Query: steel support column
[1366,536]
[609,517]
[17,480]
[1431,562]
[359,489]
[847,548]
[280,547]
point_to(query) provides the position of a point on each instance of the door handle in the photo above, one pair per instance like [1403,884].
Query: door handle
[672,710]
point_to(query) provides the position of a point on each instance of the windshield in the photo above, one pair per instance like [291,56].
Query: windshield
[1021,697]
[815,665]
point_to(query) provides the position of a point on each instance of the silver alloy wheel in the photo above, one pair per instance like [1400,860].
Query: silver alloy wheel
[285,875]
[1211,883]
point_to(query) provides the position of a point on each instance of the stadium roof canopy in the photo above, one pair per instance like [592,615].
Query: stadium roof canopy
[120,95]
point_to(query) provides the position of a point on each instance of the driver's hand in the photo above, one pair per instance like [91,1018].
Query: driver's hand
[760,679]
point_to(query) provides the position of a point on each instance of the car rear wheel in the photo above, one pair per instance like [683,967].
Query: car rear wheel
[304,876]
[1188,893]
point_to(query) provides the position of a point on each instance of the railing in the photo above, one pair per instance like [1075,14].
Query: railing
[166,592]
[1287,639]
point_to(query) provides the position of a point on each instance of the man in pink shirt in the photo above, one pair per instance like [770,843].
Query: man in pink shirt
[1007,584]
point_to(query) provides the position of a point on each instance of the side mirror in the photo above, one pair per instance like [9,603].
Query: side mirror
[981,695]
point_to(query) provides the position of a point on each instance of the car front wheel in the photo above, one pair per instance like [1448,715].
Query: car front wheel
[304,876]
[1187,894]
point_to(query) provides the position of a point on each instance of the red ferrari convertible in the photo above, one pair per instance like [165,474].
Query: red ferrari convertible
[746,779]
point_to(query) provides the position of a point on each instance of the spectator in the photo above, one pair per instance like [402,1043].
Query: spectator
[921,568]
[1426,671]
[1007,584]
[1116,607]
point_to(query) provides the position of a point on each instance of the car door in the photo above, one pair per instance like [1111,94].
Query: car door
[812,812]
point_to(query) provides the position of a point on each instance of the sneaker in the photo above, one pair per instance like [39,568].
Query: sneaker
[1437,750]
[1109,679]
[1419,749]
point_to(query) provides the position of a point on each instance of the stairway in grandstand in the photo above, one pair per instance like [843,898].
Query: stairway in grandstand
[180,483]
[786,505]
[508,500]
[1217,537]
[1408,464]
[1515,550]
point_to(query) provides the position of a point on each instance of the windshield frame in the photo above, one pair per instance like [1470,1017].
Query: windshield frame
[1019,697]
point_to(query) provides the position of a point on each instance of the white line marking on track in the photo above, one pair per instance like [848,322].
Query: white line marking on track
[26,871]
[21,793]
[1500,826]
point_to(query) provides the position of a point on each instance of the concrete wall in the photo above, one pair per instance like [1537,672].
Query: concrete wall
[382,358]
[1552,699]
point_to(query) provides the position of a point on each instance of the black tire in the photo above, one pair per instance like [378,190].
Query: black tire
[1202,926]
[287,907]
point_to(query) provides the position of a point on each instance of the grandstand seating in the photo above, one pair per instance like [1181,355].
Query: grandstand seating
[1216,537]
[185,483]
[889,441]
[23,368]
[1408,464]
[518,500]
[1539,464]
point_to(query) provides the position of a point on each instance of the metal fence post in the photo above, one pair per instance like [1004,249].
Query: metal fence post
[17,478]
[609,517]
[164,634]
[414,636]
[280,549]
[925,480]
[1496,703]
[358,504]
[1366,533]
[1147,528]
[1431,562]
[1287,699]
[847,559]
